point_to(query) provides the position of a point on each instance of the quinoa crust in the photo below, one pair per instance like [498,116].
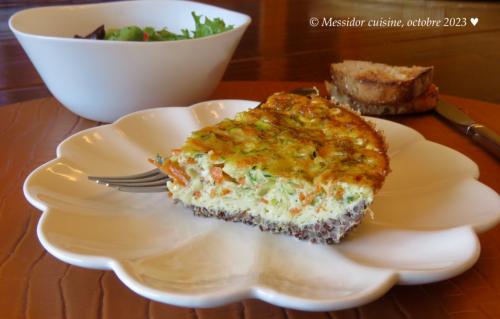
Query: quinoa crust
[329,231]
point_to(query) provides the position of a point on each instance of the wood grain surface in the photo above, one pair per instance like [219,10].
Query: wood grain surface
[33,284]
[281,45]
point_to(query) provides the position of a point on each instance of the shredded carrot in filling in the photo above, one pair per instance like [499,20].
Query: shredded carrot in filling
[176,151]
[318,189]
[176,172]
[216,173]
[339,194]
[307,199]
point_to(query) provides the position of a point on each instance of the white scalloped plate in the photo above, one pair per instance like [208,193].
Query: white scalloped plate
[423,230]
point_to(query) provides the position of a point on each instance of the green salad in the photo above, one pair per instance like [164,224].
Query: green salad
[134,33]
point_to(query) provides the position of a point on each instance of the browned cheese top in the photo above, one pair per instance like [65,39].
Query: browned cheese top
[301,137]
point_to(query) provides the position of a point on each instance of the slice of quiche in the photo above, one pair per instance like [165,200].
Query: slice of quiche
[295,165]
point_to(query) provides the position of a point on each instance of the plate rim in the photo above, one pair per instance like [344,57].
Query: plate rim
[256,291]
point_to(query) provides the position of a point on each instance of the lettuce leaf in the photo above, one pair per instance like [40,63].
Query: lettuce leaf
[202,29]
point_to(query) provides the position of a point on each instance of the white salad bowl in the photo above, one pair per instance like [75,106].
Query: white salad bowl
[104,80]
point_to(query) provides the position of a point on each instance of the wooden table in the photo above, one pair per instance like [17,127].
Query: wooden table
[33,284]
[281,45]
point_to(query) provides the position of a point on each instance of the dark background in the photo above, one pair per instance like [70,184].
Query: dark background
[281,45]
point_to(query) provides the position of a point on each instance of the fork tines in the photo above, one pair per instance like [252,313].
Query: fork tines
[150,181]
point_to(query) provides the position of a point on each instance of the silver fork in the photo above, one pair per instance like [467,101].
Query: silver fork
[155,180]
[152,181]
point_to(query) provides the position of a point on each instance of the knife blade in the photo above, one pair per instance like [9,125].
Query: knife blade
[487,138]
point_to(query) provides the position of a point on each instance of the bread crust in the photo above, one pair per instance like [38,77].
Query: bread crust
[425,102]
[377,83]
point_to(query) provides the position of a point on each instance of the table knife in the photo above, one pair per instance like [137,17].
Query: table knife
[477,132]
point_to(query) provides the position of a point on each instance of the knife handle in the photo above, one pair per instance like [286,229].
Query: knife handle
[486,137]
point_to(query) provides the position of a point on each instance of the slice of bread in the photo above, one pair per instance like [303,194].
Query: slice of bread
[377,83]
[425,102]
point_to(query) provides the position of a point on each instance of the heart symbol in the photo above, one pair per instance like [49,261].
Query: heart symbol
[474,21]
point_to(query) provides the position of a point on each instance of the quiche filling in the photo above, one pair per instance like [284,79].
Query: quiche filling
[293,160]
